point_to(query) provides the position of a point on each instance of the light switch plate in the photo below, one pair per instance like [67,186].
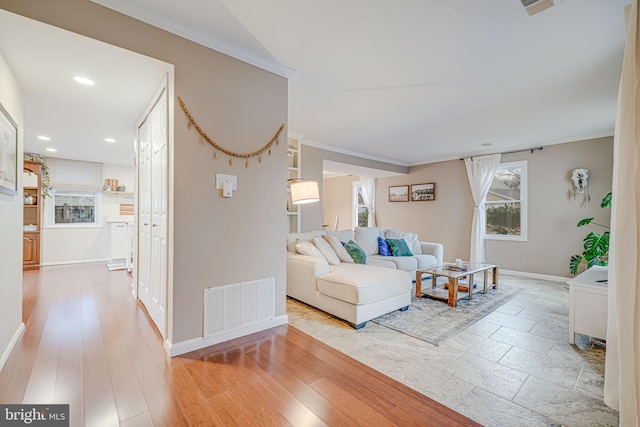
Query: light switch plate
[221,178]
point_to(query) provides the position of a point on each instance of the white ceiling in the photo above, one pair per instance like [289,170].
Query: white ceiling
[77,118]
[410,82]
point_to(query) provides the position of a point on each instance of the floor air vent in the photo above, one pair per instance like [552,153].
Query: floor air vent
[536,6]
[236,306]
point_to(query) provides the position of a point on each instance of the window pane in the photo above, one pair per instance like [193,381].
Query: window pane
[503,218]
[505,185]
[363,216]
[75,208]
[360,199]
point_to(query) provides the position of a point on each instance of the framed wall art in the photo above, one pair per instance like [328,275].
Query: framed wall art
[423,192]
[8,153]
[399,193]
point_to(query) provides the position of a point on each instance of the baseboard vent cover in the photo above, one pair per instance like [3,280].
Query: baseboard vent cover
[232,307]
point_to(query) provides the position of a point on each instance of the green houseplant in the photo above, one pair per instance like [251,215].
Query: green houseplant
[596,246]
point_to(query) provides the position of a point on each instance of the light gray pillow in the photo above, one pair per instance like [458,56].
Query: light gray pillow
[308,248]
[411,238]
[335,244]
[325,248]
[341,235]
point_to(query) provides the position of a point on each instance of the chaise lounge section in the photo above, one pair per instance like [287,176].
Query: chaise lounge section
[350,291]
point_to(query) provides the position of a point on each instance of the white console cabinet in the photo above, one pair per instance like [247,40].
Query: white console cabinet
[588,304]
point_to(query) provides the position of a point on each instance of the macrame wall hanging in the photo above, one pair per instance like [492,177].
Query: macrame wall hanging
[219,149]
[580,178]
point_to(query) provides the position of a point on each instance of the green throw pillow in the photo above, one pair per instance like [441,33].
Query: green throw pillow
[399,247]
[356,252]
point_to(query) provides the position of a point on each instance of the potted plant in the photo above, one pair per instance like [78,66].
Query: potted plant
[596,246]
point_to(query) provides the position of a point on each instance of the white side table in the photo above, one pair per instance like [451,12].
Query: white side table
[588,304]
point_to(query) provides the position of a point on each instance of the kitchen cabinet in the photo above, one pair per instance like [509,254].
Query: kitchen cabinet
[32,214]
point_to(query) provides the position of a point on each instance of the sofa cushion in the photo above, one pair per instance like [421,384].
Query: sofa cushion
[292,238]
[381,261]
[326,250]
[342,235]
[356,252]
[367,238]
[383,247]
[411,239]
[358,284]
[308,248]
[406,263]
[336,245]
[399,247]
[426,261]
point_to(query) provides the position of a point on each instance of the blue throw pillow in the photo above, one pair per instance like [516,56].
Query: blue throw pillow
[383,247]
[356,252]
[399,247]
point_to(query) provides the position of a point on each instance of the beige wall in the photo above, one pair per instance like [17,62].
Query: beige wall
[11,225]
[312,160]
[216,241]
[552,214]
[337,199]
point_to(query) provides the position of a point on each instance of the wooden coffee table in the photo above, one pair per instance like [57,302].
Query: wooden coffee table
[454,276]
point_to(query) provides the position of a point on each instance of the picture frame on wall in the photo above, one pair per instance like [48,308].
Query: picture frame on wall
[423,192]
[8,153]
[398,193]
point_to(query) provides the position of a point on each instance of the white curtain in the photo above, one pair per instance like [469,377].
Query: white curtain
[369,197]
[622,368]
[480,171]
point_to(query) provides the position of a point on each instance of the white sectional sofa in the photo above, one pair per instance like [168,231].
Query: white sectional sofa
[357,292]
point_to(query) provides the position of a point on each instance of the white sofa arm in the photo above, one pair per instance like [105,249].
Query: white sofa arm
[435,249]
[302,271]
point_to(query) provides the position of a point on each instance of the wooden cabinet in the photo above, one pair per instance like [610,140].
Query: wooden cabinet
[32,203]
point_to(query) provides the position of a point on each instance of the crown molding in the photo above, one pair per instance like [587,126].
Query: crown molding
[353,153]
[215,43]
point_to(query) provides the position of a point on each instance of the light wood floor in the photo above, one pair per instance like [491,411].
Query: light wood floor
[87,343]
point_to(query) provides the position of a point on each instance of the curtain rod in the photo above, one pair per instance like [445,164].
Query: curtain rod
[509,152]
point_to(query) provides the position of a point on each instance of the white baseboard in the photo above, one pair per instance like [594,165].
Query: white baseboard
[86,261]
[536,275]
[198,343]
[12,344]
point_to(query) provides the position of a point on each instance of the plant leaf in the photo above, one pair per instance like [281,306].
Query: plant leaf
[584,221]
[596,245]
[574,263]
[606,201]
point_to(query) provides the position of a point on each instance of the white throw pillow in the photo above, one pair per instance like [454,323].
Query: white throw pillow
[335,244]
[341,235]
[308,248]
[325,248]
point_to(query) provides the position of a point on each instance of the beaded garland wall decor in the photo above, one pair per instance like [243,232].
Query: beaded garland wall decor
[218,148]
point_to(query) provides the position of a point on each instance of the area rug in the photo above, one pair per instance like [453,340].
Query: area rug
[435,322]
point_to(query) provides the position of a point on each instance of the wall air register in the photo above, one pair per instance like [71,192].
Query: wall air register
[536,6]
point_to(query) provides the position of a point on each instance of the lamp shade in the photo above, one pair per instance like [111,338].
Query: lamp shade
[304,192]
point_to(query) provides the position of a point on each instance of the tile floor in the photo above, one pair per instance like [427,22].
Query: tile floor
[514,367]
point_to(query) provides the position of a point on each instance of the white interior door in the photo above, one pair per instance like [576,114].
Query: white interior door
[152,211]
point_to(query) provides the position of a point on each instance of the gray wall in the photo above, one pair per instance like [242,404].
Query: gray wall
[552,211]
[11,225]
[216,241]
[337,197]
[312,159]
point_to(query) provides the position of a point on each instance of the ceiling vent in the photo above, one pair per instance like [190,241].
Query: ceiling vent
[536,6]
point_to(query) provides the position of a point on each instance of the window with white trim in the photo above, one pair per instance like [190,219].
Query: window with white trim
[360,210]
[75,207]
[506,203]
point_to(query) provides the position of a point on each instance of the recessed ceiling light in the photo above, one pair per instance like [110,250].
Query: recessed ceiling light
[110,140]
[44,138]
[53,150]
[84,81]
